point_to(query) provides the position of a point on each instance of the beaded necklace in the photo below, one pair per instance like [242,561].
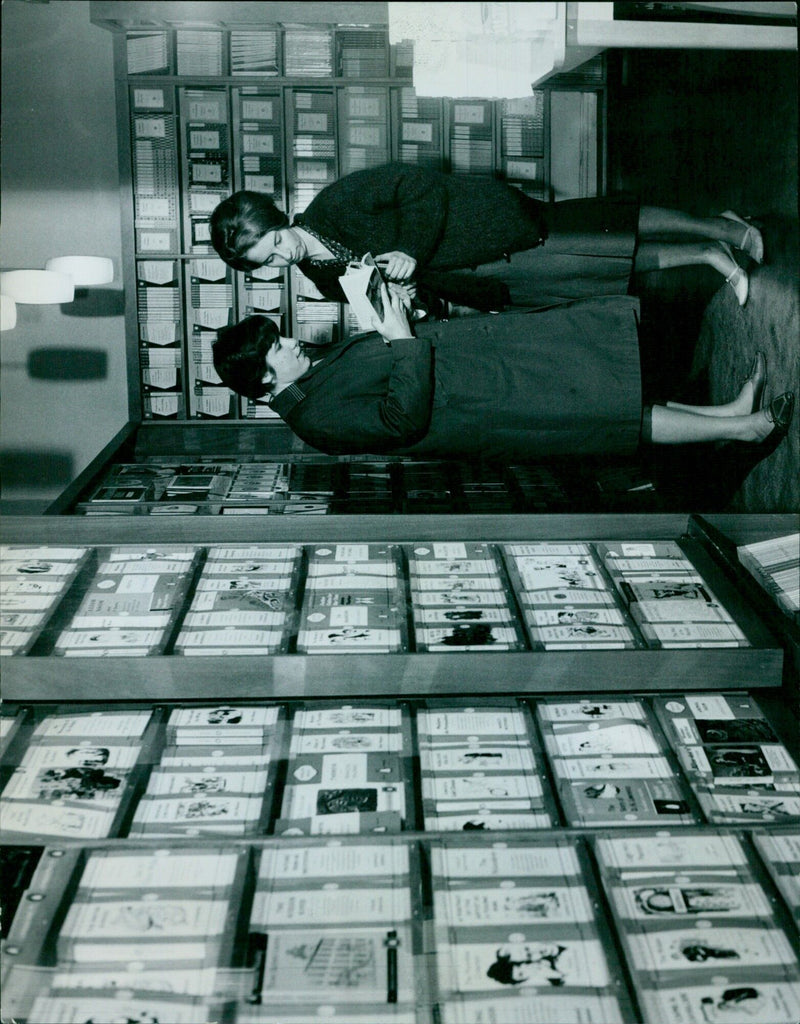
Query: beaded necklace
[341,254]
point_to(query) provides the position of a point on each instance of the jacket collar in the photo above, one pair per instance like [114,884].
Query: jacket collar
[285,401]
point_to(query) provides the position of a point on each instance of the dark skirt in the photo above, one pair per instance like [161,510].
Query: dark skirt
[589,251]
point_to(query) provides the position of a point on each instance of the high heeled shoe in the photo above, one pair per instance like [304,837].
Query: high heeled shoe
[757,378]
[779,412]
[737,278]
[752,243]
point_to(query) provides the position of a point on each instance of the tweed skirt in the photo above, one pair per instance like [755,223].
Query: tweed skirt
[589,251]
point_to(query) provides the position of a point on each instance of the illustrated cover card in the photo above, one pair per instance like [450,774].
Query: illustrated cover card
[148,923]
[583,636]
[201,724]
[281,553]
[676,896]
[81,753]
[254,614]
[675,850]
[75,1008]
[341,598]
[345,769]
[272,588]
[354,615]
[733,808]
[509,904]
[85,821]
[456,760]
[185,553]
[216,758]
[205,812]
[421,566]
[610,767]
[351,553]
[315,800]
[740,765]
[248,567]
[339,966]
[586,710]
[522,960]
[177,783]
[468,636]
[22,553]
[640,549]
[694,634]
[543,1008]
[492,724]
[624,802]
[117,725]
[724,950]
[319,865]
[349,638]
[128,642]
[212,869]
[355,582]
[462,614]
[545,549]
[20,622]
[295,908]
[47,568]
[739,999]
[187,981]
[133,593]
[557,572]
[348,717]
[457,586]
[481,787]
[559,598]
[709,718]
[682,602]
[70,786]
[455,598]
[482,817]
[525,860]
[349,823]
[609,736]
[542,618]
[174,566]
[231,639]
[344,741]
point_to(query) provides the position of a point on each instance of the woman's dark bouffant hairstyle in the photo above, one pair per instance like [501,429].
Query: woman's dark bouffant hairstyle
[239,222]
[240,355]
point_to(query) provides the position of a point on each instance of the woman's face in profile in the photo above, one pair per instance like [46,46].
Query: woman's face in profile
[280,247]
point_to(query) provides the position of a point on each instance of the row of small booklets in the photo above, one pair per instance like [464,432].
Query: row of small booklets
[463,597]
[513,933]
[251,769]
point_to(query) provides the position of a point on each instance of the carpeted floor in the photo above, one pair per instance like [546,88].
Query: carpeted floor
[702,131]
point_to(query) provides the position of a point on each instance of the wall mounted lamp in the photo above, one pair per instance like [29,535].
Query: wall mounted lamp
[55,284]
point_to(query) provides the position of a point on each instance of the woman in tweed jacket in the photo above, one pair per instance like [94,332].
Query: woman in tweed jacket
[475,241]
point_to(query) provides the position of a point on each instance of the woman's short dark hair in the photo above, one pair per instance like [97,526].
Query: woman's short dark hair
[240,355]
[240,221]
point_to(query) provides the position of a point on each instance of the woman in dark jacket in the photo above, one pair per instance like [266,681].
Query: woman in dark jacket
[520,385]
[474,241]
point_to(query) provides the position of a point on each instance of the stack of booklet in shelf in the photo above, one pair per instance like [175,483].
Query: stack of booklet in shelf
[353,600]
[145,937]
[334,927]
[480,770]
[776,565]
[460,598]
[611,765]
[347,772]
[699,931]
[32,582]
[214,774]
